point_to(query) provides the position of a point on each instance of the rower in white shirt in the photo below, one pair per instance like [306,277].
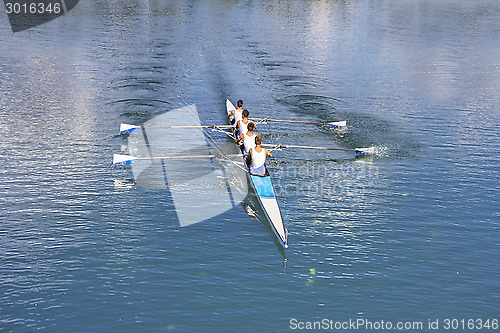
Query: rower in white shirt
[237,113]
[248,138]
[258,155]
[243,123]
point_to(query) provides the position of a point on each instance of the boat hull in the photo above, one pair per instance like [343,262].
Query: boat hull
[266,197]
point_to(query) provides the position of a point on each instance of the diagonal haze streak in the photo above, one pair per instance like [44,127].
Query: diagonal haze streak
[201,188]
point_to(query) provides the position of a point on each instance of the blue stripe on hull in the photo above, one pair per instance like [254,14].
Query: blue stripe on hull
[263,186]
[130,131]
[129,162]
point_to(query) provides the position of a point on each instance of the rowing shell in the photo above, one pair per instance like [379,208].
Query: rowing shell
[266,196]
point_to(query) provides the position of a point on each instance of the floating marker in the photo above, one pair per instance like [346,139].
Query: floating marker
[312,271]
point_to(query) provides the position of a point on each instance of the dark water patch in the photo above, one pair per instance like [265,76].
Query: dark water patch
[137,115]
[278,65]
[320,106]
[299,98]
[143,85]
[139,100]
[142,109]
[299,81]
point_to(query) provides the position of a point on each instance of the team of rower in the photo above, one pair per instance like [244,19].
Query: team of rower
[256,155]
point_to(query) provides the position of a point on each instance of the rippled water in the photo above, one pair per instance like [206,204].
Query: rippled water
[411,234]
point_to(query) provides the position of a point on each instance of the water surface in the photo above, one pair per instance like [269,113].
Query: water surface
[411,234]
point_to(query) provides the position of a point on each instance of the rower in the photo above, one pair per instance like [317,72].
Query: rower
[248,138]
[237,113]
[258,156]
[243,123]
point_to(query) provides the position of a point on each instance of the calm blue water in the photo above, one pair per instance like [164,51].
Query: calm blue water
[409,235]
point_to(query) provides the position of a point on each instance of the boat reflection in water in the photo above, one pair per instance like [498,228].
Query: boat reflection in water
[256,213]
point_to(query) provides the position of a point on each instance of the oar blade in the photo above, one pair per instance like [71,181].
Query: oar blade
[338,124]
[123,159]
[365,151]
[129,129]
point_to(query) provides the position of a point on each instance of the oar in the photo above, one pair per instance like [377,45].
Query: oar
[358,151]
[126,128]
[335,124]
[127,159]
[129,129]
